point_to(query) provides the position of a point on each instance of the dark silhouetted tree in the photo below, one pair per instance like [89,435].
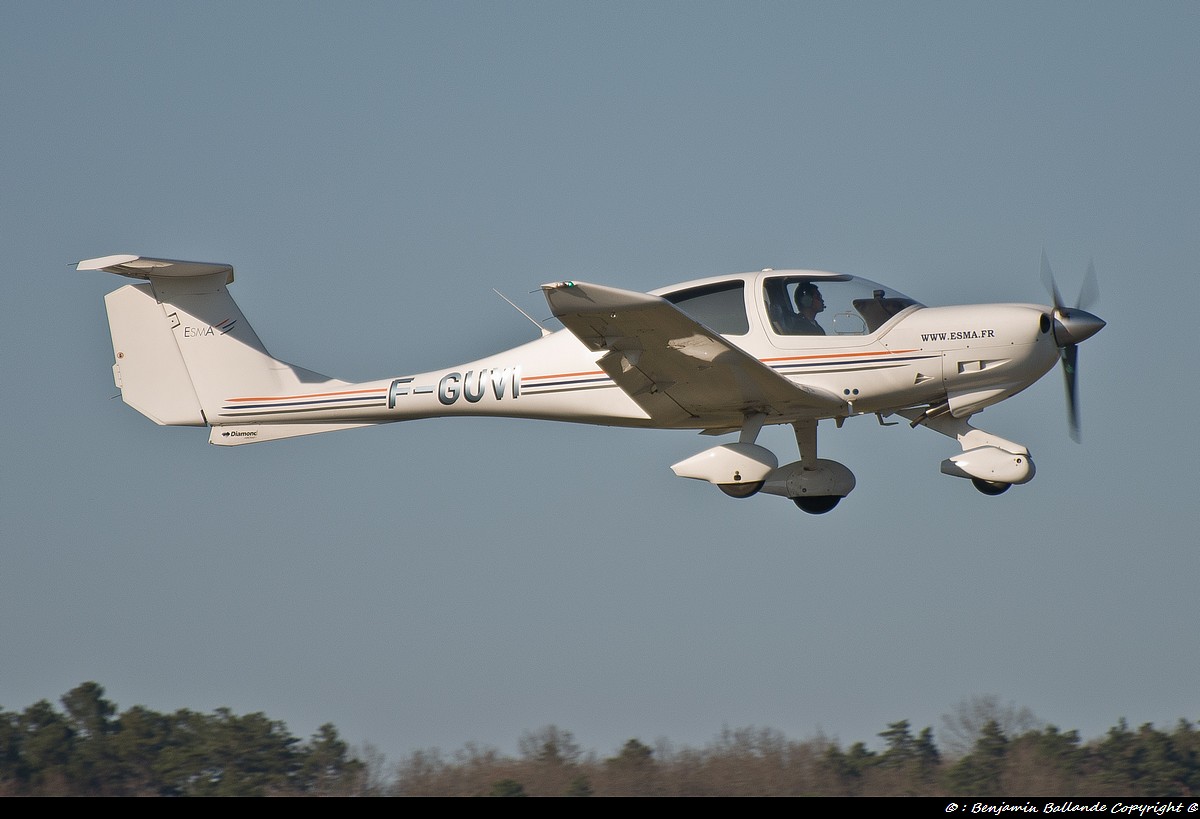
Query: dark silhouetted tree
[507,787]
[980,772]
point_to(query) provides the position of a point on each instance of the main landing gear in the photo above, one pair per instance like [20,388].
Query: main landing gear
[744,469]
[741,490]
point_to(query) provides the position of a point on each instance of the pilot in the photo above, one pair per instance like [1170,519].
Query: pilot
[808,304]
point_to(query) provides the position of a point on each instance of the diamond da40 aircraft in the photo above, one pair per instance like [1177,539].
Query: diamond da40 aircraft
[724,355]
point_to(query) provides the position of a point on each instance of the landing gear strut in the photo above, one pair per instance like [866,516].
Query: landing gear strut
[815,485]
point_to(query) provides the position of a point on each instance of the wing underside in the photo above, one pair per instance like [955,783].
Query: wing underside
[676,369]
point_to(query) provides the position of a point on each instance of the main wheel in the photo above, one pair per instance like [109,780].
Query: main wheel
[990,487]
[740,490]
[817,504]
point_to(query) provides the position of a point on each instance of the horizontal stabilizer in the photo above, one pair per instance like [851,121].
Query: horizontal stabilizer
[143,267]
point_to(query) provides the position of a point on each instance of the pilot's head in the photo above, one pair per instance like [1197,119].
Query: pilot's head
[808,299]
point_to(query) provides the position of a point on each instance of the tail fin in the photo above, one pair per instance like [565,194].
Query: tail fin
[182,345]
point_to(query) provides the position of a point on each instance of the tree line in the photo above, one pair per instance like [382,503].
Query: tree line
[88,749]
[1042,761]
[988,749]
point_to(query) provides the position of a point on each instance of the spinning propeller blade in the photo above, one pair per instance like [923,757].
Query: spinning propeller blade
[1071,326]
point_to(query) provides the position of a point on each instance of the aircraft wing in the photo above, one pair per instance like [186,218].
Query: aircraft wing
[676,369]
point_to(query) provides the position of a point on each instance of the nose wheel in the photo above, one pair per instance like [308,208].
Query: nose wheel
[990,487]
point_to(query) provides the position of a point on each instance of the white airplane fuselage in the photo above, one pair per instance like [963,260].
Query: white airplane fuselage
[971,356]
[727,354]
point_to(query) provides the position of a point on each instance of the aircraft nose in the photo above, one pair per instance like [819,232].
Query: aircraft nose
[1072,325]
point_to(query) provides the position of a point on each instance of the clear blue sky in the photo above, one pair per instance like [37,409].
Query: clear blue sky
[373,170]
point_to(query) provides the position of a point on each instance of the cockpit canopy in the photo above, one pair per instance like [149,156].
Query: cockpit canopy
[795,302]
[835,305]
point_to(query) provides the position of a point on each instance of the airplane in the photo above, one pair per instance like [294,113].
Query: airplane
[725,355]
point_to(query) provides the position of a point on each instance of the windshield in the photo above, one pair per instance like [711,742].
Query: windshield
[829,305]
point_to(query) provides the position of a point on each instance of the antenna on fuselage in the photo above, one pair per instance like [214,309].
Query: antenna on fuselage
[536,323]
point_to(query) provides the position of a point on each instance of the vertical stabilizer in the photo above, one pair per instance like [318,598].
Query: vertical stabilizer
[183,347]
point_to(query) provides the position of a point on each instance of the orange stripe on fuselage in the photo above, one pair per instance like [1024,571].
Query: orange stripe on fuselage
[837,355]
[559,375]
[309,395]
[763,360]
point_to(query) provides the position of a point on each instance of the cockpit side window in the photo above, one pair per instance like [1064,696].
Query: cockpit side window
[793,305]
[720,307]
[829,305]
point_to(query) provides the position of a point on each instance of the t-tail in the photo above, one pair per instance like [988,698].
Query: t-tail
[183,347]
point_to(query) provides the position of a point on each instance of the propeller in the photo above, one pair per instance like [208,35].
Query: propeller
[1071,326]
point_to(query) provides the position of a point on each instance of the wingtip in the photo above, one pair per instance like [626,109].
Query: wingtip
[105,262]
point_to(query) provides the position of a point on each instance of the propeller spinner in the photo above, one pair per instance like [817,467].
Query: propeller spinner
[1071,326]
